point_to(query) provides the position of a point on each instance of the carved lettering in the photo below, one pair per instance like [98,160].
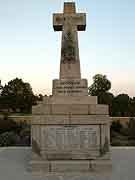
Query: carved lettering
[74,137]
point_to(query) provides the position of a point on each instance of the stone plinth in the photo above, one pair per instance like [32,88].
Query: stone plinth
[71,134]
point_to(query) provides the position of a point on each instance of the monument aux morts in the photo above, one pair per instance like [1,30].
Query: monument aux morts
[70,131]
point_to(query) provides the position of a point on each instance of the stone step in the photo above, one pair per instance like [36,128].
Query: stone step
[68,119]
[71,166]
[73,109]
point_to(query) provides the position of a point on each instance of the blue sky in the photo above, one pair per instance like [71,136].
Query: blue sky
[30,49]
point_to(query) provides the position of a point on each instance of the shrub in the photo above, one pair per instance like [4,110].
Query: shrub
[14,134]
[25,138]
[116,126]
[9,139]
[7,124]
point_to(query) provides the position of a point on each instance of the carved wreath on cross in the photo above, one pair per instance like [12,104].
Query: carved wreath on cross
[68,48]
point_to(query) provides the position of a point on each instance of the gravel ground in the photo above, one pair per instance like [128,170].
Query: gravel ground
[14,163]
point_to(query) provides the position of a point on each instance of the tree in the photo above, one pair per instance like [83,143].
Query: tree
[100,88]
[131,128]
[100,85]
[19,95]
[116,126]
[1,87]
[121,105]
[132,107]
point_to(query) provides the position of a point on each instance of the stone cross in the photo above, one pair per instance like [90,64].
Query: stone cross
[69,23]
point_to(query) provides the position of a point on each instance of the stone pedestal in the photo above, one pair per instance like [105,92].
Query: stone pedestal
[70,135]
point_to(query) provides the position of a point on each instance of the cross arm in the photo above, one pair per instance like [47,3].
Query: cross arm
[58,22]
[80,19]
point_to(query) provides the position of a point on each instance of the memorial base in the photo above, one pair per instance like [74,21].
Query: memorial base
[70,134]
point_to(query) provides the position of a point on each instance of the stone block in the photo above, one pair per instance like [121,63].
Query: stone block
[81,24]
[40,166]
[98,109]
[101,165]
[70,119]
[70,166]
[65,109]
[73,100]
[71,154]
[79,109]
[69,8]
[58,156]
[35,119]
[69,109]
[57,21]
[60,109]
[89,119]
[41,109]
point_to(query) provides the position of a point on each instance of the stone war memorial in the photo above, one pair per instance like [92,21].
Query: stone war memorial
[70,131]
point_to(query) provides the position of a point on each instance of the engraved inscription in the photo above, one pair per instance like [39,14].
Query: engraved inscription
[70,87]
[74,137]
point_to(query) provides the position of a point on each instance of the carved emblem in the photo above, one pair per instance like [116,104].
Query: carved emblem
[68,48]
